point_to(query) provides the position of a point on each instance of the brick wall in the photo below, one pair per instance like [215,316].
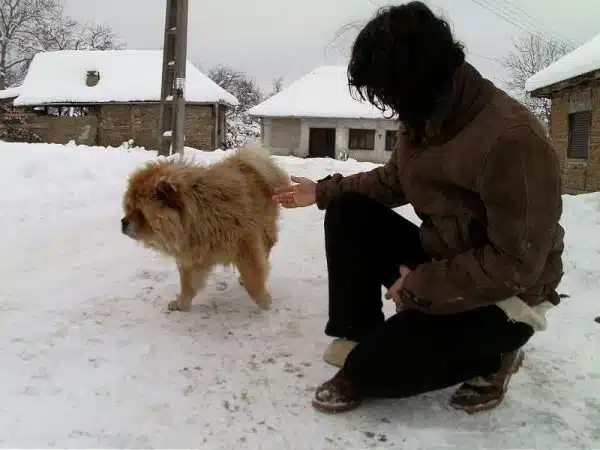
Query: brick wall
[111,125]
[54,129]
[200,127]
[578,176]
[60,130]
[119,123]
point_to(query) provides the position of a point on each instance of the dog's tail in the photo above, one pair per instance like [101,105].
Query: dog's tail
[259,159]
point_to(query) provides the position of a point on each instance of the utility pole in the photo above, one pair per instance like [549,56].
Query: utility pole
[172,97]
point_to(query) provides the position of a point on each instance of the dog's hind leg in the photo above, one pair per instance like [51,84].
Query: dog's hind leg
[254,270]
[270,239]
[192,279]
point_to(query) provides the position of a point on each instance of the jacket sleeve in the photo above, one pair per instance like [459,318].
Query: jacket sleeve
[381,184]
[521,189]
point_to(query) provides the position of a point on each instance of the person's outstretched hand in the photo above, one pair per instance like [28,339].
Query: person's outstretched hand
[298,195]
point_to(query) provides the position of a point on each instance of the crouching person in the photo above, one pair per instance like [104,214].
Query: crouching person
[473,281]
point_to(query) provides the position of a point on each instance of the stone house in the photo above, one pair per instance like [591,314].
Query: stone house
[106,98]
[573,85]
[316,116]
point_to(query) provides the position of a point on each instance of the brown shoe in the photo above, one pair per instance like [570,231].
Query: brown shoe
[485,393]
[336,395]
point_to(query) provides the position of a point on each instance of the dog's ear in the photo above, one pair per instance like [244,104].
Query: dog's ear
[167,194]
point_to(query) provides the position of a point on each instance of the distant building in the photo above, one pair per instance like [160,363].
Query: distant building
[317,117]
[108,97]
[573,85]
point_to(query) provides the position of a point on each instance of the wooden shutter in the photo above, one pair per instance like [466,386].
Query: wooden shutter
[580,124]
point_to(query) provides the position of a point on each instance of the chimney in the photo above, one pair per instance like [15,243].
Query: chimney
[92,78]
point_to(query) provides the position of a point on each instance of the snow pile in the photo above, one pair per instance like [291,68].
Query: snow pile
[582,60]
[90,357]
[324,92]
[10,92]
[125,76]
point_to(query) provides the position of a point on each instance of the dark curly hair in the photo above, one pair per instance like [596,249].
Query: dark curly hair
[403,60]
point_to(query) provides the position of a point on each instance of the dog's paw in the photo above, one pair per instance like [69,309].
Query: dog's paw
[177,305]
[264,302]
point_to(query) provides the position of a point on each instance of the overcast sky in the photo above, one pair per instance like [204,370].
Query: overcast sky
[288,38]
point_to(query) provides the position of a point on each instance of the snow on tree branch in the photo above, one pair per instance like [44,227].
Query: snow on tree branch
[240,125]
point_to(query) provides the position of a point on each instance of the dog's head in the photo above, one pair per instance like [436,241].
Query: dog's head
[153,204]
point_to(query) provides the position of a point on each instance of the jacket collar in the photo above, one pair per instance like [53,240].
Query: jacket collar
[468,94]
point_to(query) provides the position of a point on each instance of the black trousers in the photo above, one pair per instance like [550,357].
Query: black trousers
[412,352]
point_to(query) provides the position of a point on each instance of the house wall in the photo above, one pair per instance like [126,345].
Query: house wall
[578,175]
[282,135]
[60,130]
[288,136]
[51,129]
[111,125]
[200,123]
[119,123]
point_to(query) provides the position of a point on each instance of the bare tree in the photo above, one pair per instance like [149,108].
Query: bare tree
[94,36]
[31,26]
[18,20]
[530,55]
[277,85]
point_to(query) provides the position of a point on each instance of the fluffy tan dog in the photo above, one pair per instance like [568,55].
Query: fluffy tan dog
[205,216]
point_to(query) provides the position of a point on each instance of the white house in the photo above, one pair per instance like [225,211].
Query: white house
[316,116]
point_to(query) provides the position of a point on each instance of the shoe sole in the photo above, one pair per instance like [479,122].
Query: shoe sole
[474,409]
[335,409]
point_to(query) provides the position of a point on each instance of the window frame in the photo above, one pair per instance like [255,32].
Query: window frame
[393,133]
[355,142]
[579,135]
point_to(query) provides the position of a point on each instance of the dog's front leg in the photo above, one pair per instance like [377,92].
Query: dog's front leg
[191,280]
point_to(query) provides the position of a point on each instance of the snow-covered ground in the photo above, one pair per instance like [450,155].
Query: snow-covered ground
[90,357]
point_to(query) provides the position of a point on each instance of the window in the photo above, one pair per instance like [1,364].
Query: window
[360,139]
[391,138]
[580,124]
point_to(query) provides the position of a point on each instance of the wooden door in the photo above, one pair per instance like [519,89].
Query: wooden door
[321,143]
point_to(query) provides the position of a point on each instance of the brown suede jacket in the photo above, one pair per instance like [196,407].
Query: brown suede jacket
[487,187]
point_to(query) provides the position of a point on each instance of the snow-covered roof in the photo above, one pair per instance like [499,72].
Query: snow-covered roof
[582,60]
[125,76]
[323,93]
[10,92]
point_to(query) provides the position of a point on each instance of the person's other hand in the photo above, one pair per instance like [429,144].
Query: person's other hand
[298,195]
[394,290]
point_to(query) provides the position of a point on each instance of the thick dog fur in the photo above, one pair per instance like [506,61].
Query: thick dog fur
[204,216]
